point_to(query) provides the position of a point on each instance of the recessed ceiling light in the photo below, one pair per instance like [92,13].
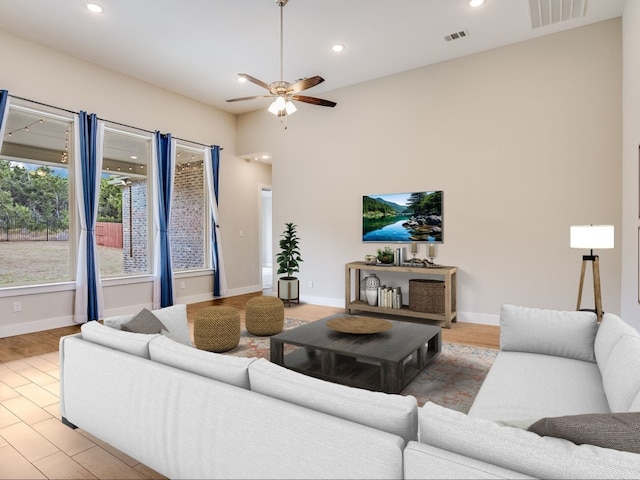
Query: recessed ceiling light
[133,157]
[337,47]
[265,157]
[242,79]
[94,7]
[475,3]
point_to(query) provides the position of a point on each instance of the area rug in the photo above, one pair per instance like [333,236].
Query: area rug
[451,380]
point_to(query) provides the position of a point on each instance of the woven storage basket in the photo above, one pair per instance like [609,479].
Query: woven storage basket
[426,296]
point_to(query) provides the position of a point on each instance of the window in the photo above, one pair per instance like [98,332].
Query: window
[34,198]
[122,230]
[188,211]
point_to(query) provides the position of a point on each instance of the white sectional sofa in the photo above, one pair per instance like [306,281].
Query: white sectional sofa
[562,366]
[193,414]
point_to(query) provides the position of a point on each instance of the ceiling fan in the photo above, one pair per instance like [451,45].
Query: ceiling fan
[284,92]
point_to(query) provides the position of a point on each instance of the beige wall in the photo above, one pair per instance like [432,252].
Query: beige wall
[524,140]
[41,74]
[630,153]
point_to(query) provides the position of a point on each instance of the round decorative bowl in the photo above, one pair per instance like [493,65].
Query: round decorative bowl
[359,325]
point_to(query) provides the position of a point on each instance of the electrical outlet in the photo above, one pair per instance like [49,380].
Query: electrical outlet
[182,284]
[17,306]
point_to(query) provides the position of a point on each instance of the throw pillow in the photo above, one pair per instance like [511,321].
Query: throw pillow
[619,431]
[567,334]
[143,322]
[175,320]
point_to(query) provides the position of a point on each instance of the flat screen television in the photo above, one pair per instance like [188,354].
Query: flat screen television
[403,217]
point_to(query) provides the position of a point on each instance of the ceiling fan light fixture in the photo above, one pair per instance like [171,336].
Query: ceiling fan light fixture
[273,108]
[280,102]
[281,91]
[290,107]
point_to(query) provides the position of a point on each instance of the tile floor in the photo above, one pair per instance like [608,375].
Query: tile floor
[33,441]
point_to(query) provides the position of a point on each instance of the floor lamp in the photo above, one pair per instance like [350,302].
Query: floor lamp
[591,237]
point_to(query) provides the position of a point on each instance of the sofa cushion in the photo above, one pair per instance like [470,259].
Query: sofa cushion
[174,318]
[520,450]
[395,414]
[620,373]
[620,431]
[524,386]
[550,332]
[143,322]
[611,329]
[426,461]
[224,368]
[129,342]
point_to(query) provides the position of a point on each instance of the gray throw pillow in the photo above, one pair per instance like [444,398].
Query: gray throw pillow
[618,431]
[143,322]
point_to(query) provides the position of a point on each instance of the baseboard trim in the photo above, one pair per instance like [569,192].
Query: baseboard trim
[479,318]
[23,328]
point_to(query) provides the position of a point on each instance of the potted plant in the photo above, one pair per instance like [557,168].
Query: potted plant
[385,255]
[288,263]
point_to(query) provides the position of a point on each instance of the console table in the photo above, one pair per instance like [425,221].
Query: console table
[352,271]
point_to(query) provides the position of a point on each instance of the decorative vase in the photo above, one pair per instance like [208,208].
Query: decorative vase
[363,289]
[372,284]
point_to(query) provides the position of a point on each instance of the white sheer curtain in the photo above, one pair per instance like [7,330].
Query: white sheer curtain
[81,312]
[213,203]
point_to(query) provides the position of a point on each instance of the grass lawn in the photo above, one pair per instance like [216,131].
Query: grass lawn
[31,263]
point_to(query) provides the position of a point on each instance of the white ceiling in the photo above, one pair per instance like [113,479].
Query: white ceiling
[197,47]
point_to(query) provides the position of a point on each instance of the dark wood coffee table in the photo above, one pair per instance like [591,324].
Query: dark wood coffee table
[386,361]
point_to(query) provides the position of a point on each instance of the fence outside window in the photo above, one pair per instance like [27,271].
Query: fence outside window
[20,229]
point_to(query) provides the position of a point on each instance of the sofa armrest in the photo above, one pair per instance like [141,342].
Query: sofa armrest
[425,462]
[567,334]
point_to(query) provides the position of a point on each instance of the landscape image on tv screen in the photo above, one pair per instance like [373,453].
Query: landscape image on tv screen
[402,217]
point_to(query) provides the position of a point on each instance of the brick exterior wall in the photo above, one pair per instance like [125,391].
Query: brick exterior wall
[186,224]
[135,228]
[187,219]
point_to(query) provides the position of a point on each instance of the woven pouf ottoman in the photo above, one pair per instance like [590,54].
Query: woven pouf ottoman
[264,316]
[216,329]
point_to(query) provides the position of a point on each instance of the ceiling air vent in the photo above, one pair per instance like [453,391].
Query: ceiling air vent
[547,12]
[456,35]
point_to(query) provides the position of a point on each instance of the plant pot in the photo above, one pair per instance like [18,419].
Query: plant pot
[289,290]
[386,259]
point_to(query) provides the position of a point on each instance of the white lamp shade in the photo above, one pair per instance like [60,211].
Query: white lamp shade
[274,108]
[591,236]
[290,107]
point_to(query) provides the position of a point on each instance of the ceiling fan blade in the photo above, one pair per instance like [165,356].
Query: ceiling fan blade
[314,101]
[306,83]
[255,80]
[248,98]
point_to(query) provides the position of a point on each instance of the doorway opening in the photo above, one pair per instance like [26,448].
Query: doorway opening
[266,244]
